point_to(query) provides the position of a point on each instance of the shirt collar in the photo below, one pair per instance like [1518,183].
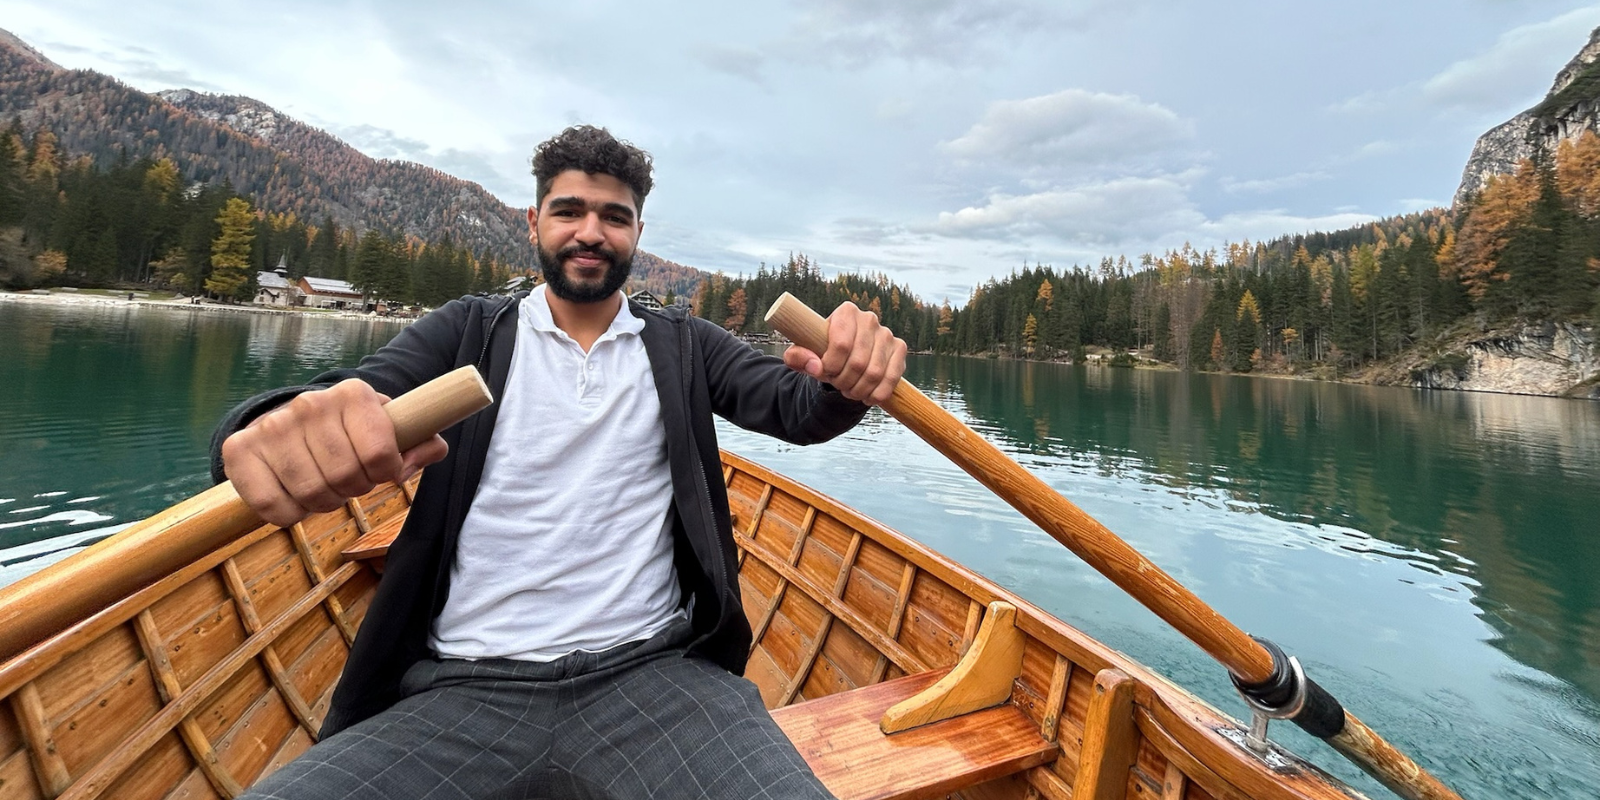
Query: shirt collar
[536,311]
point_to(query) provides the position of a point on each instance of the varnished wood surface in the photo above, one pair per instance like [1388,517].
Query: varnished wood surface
[199,683]
[906,602]
[981,679]
[65,592]
[839,737]
[220,672]
[1108,554]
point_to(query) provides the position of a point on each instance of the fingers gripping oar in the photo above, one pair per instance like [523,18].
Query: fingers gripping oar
[64,593]
[1269,680]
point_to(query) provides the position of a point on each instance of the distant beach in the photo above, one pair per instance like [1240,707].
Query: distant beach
[104,297]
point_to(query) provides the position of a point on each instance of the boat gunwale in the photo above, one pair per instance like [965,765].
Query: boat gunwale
[1171,708]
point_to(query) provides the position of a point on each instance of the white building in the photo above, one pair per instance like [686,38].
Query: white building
[274,289]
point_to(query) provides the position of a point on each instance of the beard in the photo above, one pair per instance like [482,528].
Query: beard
[617,272]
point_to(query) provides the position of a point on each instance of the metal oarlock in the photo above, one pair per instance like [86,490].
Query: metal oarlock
[1283,695]
[1261,713]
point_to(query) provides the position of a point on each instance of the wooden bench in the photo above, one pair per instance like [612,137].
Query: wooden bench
[839,737]
[925,735]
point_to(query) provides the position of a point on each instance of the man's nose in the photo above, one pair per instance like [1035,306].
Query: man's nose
[589,231]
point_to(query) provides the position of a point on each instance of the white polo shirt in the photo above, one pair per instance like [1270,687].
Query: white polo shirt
[567,545]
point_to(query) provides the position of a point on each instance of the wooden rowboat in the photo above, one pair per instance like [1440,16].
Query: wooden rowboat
[221,671]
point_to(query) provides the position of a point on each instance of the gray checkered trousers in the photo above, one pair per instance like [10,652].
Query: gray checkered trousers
[640,720]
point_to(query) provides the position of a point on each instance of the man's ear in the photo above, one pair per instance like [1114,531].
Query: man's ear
[533,225]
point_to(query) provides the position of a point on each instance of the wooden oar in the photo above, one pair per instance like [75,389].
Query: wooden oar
[1244,657]
[77,587]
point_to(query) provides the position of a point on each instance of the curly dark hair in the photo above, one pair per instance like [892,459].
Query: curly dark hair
[595,151]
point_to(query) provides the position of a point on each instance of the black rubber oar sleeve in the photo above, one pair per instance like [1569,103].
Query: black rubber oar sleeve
[1319,714]
[1322,715]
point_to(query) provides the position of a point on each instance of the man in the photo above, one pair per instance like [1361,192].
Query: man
[560,616]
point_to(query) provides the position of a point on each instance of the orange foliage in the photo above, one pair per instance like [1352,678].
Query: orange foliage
[1578,172]
[1504,205]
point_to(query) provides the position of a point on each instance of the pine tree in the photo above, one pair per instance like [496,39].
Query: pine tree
[1162,344]
[323,253]
[13,185]
[230,251]
[1246,336]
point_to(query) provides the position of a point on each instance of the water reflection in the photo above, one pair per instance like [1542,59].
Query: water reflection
[107,411]
[1498,488]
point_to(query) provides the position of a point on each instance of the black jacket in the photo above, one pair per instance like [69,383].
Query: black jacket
[699,369]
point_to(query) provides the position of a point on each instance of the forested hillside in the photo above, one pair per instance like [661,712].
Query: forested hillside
[308,180]
[1524,249]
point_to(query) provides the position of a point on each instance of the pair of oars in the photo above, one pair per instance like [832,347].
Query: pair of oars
[1243,656]
[48,602]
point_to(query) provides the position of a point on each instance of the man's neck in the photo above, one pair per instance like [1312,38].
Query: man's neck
[584,322]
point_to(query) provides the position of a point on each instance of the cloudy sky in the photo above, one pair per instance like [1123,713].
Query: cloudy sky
[940,141]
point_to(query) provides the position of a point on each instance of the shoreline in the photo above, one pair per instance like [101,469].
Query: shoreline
[75,299]
[1360,378]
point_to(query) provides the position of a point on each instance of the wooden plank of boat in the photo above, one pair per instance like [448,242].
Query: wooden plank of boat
[221,671]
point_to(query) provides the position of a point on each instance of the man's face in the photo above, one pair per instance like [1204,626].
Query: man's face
[585,233]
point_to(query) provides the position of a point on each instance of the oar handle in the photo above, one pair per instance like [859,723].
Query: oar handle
[46,602]
[1106,552]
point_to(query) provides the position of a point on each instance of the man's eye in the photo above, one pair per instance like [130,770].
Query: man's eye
[618,219]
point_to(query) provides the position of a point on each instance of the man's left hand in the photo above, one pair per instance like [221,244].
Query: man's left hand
[864,360]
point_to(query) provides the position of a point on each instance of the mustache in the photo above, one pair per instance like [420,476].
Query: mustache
[593,250]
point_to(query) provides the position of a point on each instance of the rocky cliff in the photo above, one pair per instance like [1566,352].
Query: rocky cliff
[1545,358]
[1571,107]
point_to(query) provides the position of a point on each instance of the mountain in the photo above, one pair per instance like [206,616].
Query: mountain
[1571,107]
[283,164]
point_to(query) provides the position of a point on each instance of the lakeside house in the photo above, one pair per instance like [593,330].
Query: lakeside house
[275,289]
[646,299]
[329,293]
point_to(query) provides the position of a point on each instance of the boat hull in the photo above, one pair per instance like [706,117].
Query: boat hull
[222,671]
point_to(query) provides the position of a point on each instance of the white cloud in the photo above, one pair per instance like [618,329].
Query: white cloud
[1270,185]
[1072,127]
[739,62]
[1106,213]
[856,33]
[1509,76]
[1505,74]
[1270,224]
[1381,147]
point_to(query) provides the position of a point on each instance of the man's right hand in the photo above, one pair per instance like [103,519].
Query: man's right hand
[318,450]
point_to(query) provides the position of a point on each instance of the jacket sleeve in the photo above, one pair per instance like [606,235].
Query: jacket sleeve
[758,392]
[425,350]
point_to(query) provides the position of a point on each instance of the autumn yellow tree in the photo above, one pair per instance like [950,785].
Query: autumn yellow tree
[1030,334]
[1501,208]
[1578,173]
[1248,307]
[48,266]
[230,251]
[736,311]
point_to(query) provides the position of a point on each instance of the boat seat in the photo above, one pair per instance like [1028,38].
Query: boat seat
[839,737]
[929,734]
[374,545]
